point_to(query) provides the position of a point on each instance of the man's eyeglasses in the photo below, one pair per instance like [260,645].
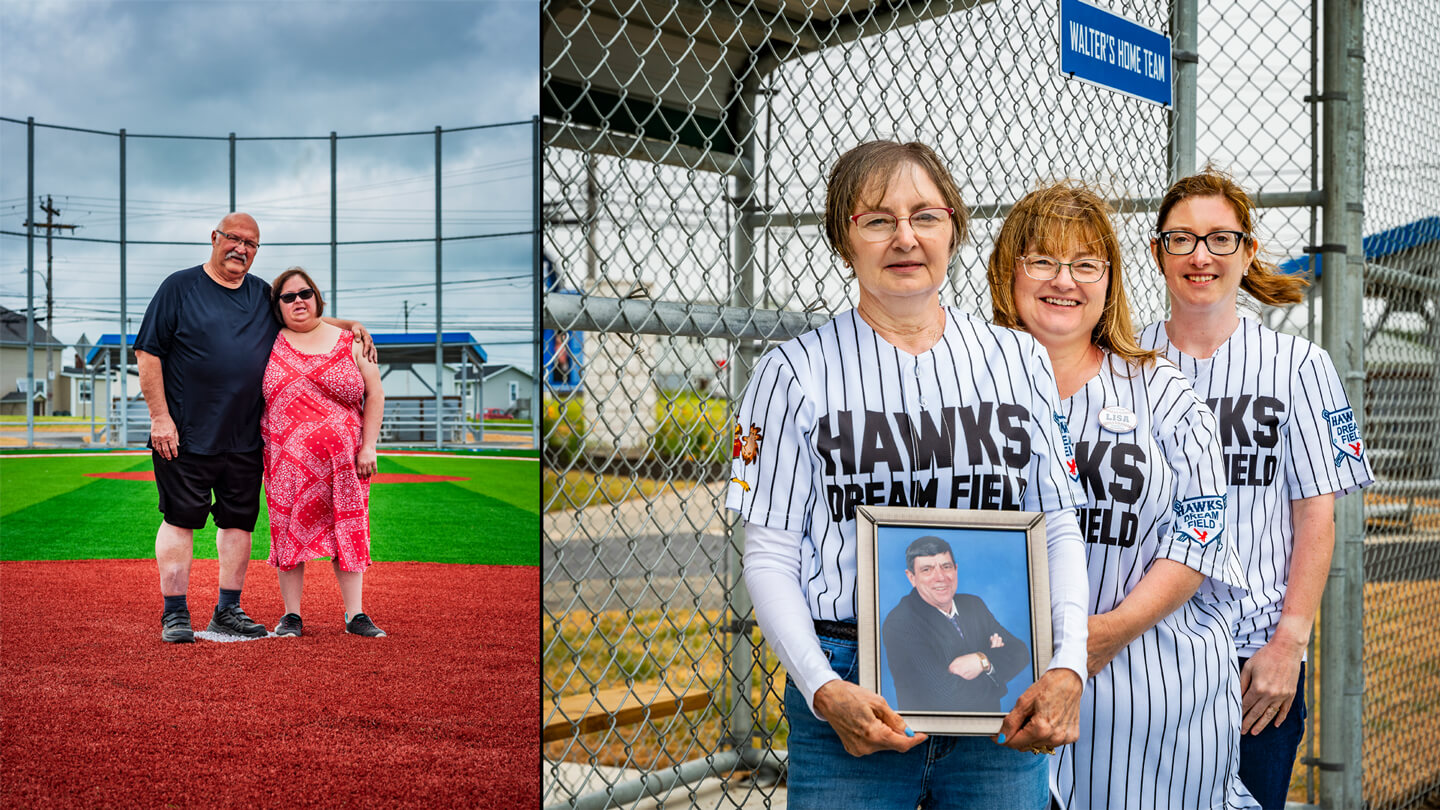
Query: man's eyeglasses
[304,295]
[1219,243]
[875,226]
[246,242]
[1044,268]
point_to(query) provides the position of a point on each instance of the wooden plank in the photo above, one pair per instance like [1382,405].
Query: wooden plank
[620,706]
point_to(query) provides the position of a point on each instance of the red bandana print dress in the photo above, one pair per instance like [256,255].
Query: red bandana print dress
[319,506]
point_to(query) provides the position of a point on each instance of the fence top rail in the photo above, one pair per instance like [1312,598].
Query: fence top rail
[62,238]
[232,136]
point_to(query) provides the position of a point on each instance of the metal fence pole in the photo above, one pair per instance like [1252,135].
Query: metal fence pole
[1186,65]
[739,723]
[439,305]
[334,236]
[124,321]
[1350,516]
[232,171]
[1343,331]
[538,246]
[30,282]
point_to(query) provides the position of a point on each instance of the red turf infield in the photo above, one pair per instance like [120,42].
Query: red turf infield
[98,712]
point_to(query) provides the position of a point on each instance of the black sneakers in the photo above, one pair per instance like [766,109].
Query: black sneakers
[175,627]
[232,621]
[290,625]
[362,626]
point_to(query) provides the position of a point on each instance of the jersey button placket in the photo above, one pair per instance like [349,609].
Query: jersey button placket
[915,404]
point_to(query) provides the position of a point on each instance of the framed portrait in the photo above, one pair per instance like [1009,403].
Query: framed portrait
[954,612]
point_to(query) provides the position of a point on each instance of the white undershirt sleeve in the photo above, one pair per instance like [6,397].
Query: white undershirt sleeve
[772,573]
[1069,592]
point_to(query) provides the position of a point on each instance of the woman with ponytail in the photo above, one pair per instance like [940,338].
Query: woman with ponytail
[1291,445]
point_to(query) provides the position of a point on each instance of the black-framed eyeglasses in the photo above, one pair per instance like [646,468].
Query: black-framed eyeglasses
[877,226]
[1044,268]
[246,242]
[1219,243]
[304,295]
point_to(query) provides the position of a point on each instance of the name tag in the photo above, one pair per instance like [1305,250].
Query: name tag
[1118,420]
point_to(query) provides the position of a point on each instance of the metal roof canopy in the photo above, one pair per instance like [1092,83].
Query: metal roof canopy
[394,348]
[688,109]
[695,109]
[1412,245]
[1406,256]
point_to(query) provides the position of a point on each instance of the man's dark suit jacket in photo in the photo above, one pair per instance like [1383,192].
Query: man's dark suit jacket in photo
[920,643]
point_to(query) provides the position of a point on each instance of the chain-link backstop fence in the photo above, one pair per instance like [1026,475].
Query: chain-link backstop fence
[685,151]
[431,231]
[1402,395]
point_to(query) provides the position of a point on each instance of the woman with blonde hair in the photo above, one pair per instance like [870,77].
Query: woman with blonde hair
[1291,445]
[1159,723]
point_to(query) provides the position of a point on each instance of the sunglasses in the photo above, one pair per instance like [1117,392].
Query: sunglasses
[304,295]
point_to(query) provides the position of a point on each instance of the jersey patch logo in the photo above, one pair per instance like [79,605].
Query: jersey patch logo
[1344,434]
[750,445]
[1072,469]
[746,448]
[1201,519]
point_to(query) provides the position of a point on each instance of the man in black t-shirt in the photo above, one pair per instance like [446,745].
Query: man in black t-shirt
[202,351]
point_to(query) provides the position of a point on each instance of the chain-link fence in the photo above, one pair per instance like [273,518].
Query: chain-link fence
[433,230]
[685,151]
[1402,396]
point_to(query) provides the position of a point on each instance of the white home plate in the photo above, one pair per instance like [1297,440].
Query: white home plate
[206,635]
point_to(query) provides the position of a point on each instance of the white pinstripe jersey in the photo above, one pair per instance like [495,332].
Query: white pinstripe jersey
[839,418]
[1287,432]
[1159,726]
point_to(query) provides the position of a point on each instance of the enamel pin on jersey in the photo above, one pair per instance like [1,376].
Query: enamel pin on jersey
[1118,420]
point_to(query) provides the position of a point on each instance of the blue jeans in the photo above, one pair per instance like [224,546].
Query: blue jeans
[1267,758]
[942,772]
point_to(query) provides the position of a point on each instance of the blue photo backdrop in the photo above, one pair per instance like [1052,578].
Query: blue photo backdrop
[988,563]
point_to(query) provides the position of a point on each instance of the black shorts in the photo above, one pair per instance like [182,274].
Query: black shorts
[185,484]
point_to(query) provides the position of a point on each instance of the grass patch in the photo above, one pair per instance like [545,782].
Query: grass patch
[52,511]
[27,482]
[508,426]
[1402,692]
[693,427]
[14,419]
[678,649]
[575,489]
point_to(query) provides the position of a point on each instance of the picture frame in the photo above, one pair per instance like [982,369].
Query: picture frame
[954,674]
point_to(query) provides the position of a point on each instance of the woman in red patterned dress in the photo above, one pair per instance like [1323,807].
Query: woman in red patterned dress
[323,405]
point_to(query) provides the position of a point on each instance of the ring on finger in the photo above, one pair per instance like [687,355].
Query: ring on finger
[1041,749]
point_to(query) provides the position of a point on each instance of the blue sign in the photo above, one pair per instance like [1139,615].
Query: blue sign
[1102,48]
[562,355]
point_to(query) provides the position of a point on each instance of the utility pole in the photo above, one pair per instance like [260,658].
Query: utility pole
[50,226]
[406,306]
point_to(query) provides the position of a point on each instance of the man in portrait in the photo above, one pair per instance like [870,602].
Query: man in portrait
[945,649]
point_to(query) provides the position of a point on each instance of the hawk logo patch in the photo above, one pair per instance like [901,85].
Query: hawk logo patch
[746,448]
[1201,519]
[1071,468]
[1344,434]
[750,446]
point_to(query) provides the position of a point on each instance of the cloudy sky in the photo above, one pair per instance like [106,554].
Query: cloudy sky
[267,70]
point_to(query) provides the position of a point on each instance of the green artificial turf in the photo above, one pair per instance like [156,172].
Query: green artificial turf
[50,510]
